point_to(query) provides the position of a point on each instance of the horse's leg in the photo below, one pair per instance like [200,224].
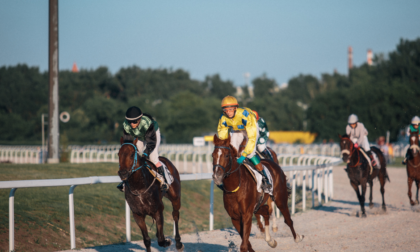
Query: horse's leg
[159,232]
[239,227]
[176,205]
[264,211]
[382,179]
[259,224]
[246,231]
[359,197]
[417,193]
[370,196]
[363,198]
[142,225]
[272,212]
[281,202]
[410,183]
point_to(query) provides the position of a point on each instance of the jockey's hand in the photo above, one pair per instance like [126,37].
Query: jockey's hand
[240,160]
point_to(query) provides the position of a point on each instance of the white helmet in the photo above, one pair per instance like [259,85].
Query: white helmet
[353,119]
[415,120]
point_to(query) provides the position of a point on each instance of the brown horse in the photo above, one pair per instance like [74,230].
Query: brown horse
[359,171]
[240,194]
[413,166]
[143,193]
[270,203]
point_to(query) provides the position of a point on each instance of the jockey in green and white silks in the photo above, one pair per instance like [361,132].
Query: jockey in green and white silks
[263,139]
[414,127]
[146,130]
[358,135]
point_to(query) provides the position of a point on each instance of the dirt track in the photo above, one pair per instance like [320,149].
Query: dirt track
[333,227]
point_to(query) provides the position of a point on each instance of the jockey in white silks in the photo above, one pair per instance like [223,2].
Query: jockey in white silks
[358,135]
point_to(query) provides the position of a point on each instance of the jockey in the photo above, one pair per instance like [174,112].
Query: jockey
[358,133]
[414,127]
[262,140]
[241,123]
[146,130]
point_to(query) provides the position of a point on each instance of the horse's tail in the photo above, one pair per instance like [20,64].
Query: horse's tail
[382,160]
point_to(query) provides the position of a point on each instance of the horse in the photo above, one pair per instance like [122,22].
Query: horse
[413,166]
[143,193]
[240,194]
[359,171]
[270,202]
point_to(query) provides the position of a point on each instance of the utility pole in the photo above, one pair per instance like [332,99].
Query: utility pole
[53,126]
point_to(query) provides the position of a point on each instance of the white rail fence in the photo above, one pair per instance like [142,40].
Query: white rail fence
[310,172]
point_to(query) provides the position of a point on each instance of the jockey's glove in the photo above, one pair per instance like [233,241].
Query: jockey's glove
[241,160]
[356,146]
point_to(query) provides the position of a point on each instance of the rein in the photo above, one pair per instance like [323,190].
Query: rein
[134,169]
[227,173]
[350,153]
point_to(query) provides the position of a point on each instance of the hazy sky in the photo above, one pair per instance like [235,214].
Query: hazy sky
[230,37]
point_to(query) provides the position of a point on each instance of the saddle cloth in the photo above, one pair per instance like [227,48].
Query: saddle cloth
[258,178]
[370,161]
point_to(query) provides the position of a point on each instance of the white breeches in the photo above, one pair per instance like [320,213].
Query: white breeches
[364,143]
[236,138]
[154,156]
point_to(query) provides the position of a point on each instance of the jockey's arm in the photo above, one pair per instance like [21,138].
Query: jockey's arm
[150,139]
[251,128]
[222,129]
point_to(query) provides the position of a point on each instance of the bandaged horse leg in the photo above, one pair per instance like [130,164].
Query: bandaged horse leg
[273,214]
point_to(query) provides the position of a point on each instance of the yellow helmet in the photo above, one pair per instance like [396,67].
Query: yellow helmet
[229,101]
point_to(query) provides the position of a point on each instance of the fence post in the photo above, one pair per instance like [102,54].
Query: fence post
[71,210]
[127,222]
[331,182]
[12,219]
[326,192]
[313,188]
[303,190]
[211,205]
[319,186]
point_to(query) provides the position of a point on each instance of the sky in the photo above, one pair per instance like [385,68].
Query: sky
[281,39]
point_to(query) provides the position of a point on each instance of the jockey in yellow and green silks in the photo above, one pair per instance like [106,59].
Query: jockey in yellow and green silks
[240,123]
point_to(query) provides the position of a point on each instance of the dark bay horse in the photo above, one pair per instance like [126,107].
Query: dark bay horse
[413,166]
[359,171]
[143,194]
[240,194]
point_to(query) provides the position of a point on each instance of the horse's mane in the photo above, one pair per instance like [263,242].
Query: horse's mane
[345,135]
[128,138]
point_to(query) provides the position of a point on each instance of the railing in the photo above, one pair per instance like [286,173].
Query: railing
[317,170]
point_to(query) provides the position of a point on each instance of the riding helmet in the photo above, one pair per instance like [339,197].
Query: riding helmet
[133,113]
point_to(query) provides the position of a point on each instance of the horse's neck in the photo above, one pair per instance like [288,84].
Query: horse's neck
[232,181]
[141,179]
[355,158]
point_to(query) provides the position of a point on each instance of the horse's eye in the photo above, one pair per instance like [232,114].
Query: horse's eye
[226,156]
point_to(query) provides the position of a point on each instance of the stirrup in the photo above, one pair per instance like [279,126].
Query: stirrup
[120,186]
[404,162]
[164,187]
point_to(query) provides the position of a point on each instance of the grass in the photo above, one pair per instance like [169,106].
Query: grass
[397,163]
[42,214]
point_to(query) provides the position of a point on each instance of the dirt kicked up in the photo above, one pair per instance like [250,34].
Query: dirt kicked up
[332,227]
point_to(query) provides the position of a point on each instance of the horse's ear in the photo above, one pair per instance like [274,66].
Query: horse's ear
[340,136]
[135,141]
[121,140]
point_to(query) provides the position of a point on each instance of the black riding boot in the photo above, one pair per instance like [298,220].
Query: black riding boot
[120,186]
[268,155]
[164,186]
[407,157]
[266,183]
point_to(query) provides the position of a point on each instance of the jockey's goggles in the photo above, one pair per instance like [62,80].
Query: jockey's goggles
[227,109]
[133,121]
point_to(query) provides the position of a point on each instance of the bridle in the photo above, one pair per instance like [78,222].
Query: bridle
[229,172]
[134,169]
[350,152]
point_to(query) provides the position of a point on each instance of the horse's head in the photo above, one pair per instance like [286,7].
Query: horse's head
[223,157]
[347,147]
[242,147]
[127,158]
[414,142]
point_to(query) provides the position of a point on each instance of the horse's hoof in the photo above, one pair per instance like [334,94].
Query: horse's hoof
[168,242]
[364,215]
[370,205]
[384,208]
[272,243]
[299,238]
[275,229]
[412,203]
[180,249]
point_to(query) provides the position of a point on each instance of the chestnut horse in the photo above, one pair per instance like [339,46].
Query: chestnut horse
[270,202]
[240,194]
[143,194]
[359,171]
[413,166]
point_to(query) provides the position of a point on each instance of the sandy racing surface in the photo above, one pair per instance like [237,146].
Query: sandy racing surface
[333,227]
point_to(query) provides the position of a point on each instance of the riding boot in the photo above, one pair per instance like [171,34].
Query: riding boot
[266,183]
[121,186]
[161,177]
[407,157]
[268,155]
[374,164]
